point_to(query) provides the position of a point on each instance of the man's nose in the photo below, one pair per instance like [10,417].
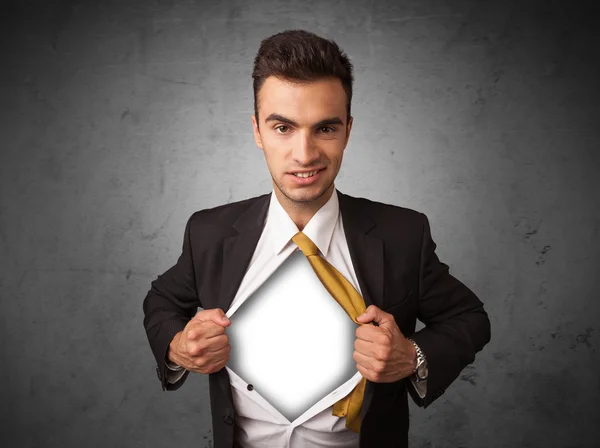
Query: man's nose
[305,151]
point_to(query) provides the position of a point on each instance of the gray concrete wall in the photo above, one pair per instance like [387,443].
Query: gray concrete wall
[121,118]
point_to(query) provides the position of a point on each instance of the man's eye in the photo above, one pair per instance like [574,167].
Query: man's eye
[282,129]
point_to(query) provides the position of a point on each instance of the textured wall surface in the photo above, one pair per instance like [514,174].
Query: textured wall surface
[121,118]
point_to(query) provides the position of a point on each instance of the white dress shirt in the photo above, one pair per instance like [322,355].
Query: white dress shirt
[258,423]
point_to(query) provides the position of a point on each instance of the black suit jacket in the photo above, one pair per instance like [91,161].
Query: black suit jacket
[397,269]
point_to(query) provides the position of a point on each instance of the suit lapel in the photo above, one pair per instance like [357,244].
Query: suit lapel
[366,251]
[238,249]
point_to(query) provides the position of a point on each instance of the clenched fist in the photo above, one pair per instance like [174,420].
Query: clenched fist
[202,346]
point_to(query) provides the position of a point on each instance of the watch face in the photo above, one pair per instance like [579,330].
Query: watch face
[422,371]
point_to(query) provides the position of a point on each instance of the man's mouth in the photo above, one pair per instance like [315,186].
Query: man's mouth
[307,174]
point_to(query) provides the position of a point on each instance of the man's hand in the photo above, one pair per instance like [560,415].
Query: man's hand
[382,353]
[202,346]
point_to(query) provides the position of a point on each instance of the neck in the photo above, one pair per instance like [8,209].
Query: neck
[302,212]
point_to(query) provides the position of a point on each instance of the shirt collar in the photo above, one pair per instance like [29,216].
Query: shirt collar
[280,227]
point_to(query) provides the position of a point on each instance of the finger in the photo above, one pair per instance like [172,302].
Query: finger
[364,347]
[217,351]
[214,358]
[368,362]
[217,365]
[206,346]
[204,351]
[377,352]
[367,373]
[222,356]
[218,343]
[217,315]
[375,314]
[204,330]
[368,315]
[374,376]
[369,333]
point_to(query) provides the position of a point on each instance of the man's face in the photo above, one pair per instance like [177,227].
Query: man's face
[302,128]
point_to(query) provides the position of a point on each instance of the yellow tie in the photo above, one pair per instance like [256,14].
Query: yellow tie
[352,302]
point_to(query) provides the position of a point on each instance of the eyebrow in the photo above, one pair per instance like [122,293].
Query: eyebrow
[326,121]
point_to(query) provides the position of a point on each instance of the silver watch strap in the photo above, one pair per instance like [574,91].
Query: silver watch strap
[420,356]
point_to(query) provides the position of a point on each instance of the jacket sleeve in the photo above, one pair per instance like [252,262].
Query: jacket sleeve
[456,325]
[169,305]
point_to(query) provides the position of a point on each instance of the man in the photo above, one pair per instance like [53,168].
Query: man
[302,123]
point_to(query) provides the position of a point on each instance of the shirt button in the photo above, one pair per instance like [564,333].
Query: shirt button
[227,419]
[250,387]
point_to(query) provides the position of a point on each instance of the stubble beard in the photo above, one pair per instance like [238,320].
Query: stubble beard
[310,199]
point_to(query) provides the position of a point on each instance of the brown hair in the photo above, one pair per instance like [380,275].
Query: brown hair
[301,56]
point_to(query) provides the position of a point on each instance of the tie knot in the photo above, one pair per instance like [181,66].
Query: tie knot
[305,244]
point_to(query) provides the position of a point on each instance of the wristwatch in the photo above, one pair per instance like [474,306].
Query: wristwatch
[171,365]
[421,372]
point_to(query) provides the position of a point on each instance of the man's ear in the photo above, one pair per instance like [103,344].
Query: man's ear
[257,138]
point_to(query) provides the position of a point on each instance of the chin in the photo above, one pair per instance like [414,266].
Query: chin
[305,195]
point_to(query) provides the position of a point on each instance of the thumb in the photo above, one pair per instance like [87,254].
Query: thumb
[216,315]
[374,314]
